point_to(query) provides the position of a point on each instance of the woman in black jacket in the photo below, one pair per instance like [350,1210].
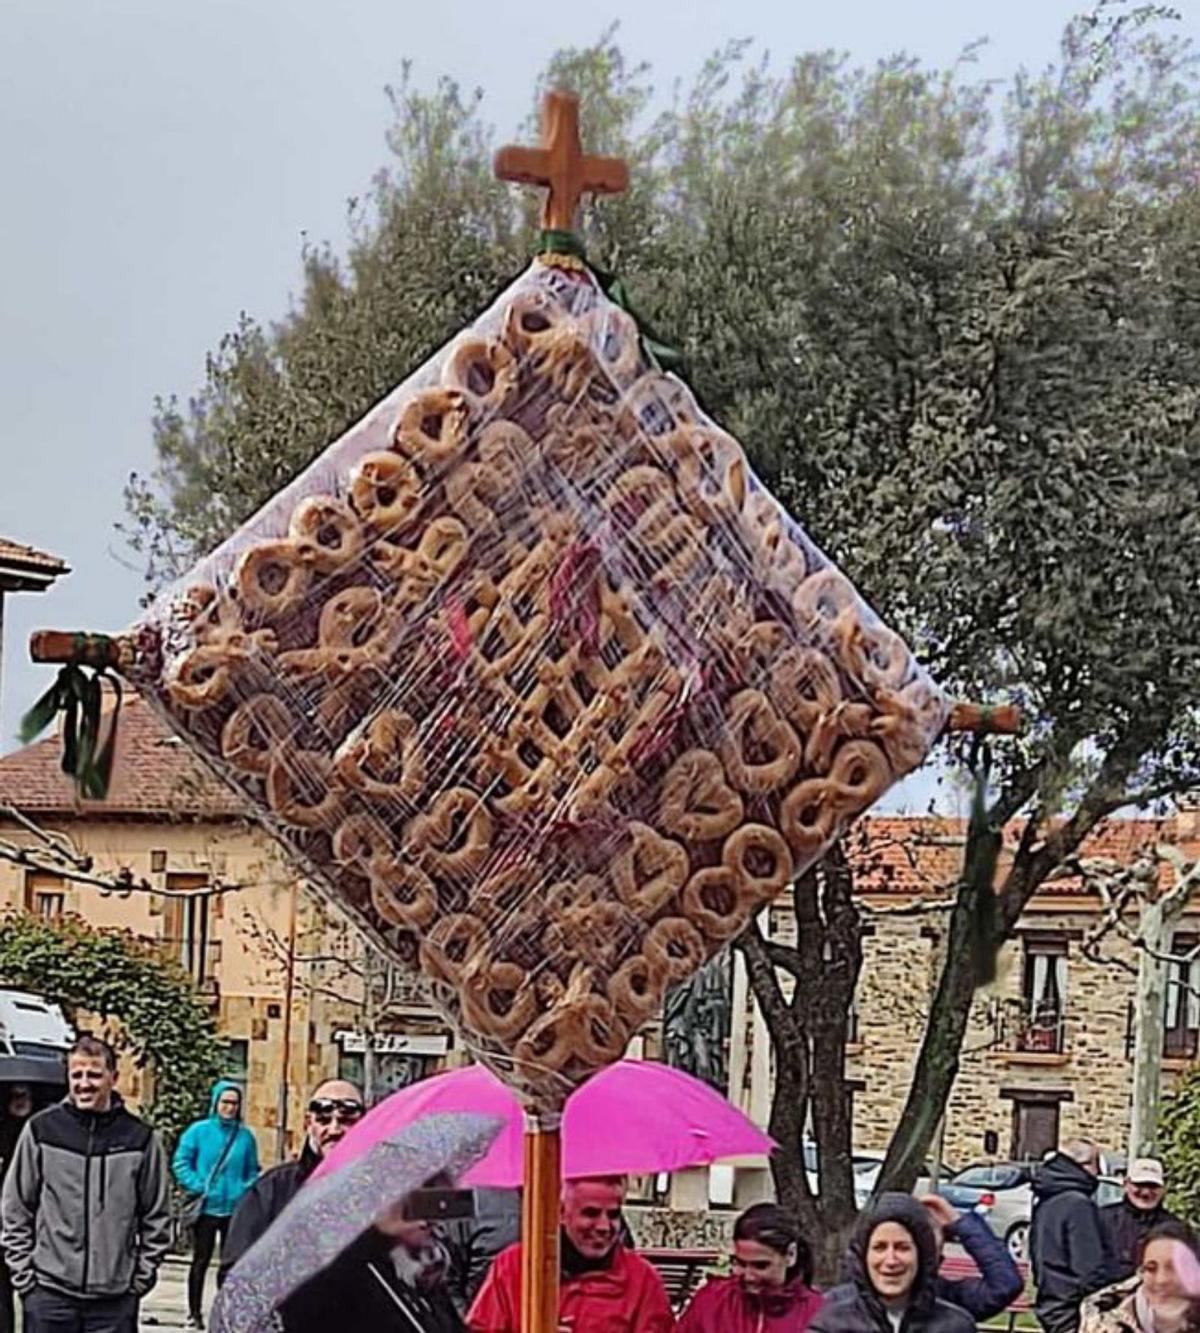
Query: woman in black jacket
[892,1264]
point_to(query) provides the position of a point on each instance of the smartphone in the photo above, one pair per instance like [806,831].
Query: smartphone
[439,1205]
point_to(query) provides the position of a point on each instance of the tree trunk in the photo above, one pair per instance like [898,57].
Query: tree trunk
[808,1035]
[1156,926]
[937,1062]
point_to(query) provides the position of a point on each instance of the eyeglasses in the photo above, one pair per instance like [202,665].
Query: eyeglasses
[347,1110]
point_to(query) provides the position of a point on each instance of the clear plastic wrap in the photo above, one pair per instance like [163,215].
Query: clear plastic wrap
[538,682]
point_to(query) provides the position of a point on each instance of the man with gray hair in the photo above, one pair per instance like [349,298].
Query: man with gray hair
[1067,1244]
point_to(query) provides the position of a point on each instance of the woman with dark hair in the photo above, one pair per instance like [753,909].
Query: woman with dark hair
[892,1263]
[1164,1294]
[770,1290]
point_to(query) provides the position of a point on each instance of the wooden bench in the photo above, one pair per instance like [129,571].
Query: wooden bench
[682,1271]
[957,1267]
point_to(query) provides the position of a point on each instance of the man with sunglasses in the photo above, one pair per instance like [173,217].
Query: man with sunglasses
[334,1107]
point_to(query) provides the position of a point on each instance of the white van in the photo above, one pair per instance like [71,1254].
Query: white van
[32,1026]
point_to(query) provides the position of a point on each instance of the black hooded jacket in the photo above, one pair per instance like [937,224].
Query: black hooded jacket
[1067,1245]
[1124,1226]
[857,1308]
[261,1205]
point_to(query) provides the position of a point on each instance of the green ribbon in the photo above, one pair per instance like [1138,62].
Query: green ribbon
[662,354]
[78,696]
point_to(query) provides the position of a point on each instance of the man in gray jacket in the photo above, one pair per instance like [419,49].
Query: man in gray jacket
[85,1208]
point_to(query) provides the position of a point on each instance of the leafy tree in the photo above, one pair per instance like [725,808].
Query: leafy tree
[957,332]
[112,975]
[1179,1145]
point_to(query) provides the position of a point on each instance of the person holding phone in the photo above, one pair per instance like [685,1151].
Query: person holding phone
[393,1279]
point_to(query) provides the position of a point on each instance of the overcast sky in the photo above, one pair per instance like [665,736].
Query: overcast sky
[162,160]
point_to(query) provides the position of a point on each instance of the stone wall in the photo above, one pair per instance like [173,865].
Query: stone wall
[1092,1075]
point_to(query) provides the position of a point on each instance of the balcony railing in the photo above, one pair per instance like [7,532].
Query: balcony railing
[1043,1034]
[1181,1043]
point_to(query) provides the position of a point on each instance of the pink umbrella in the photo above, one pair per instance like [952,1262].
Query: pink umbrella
[634,1118]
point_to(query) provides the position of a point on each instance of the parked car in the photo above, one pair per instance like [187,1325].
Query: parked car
[34,1037]
[1002,1193]
[864,1165]
[867,1166]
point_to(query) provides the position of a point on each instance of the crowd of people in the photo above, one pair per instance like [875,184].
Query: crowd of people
[87,1221]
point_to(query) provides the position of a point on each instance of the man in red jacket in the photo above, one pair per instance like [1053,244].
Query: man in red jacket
[605,1288]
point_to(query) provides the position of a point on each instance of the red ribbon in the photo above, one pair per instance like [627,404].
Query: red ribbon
[575,593]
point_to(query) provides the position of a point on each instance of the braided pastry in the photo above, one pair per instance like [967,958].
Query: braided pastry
[906,722]
[440,550]
[876,656]
[352,634]
[550,341]
[717,901]
[637,988]
[455,838]
[675,944]
[450,945]
[776,560]
[384,759]
[497,998]
[811,812]
[271,579]
[385,488]
[760,860]
[827,605]
[253,730]
[300,789]
[327,534]
[478,491]
[616,343]
[205,676]
[711,469]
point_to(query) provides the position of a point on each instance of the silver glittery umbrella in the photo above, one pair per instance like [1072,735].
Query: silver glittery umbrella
[329,1214]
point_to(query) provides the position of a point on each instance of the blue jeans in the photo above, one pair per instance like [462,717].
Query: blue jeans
[49,1311]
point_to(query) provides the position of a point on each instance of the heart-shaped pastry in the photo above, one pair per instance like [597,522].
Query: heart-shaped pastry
[760,751]
[697,802]
[649,870]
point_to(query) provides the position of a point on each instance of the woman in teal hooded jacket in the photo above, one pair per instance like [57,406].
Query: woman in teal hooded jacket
[218,1159]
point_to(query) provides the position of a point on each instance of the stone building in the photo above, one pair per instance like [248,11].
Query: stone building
[1049,1049]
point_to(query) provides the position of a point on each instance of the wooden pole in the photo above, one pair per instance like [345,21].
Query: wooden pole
[102,650]
[539,1224]
[289,991]
[986,720]
[58,645]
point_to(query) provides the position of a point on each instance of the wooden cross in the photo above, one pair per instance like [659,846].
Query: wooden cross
[561,164]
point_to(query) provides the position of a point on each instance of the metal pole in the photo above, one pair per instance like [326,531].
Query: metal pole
[281,1118]
[1156,925]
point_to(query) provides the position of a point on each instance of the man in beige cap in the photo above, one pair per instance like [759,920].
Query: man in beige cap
[1141,1209]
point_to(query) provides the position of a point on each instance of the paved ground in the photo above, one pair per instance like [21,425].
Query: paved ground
[166,1306]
